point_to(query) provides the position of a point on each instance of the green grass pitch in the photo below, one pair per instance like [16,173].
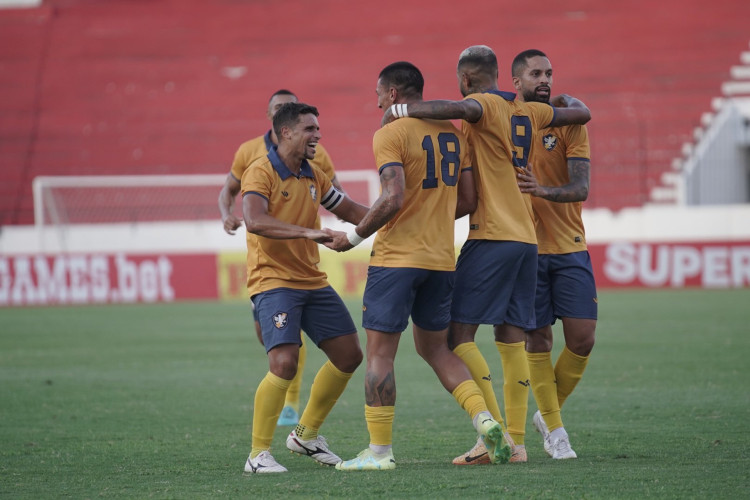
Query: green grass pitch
[155,401]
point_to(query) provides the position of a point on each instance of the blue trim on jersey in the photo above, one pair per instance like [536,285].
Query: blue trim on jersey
[255,193]
[577,158]
[283,171]
[467,168]
[269,143]
[508,96]
[554,115]
[391,164]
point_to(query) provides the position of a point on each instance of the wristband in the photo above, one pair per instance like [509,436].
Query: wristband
[399,110]
[354,238]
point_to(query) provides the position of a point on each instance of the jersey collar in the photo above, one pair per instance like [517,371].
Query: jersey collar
[283,170]
[269,143]
[508,96]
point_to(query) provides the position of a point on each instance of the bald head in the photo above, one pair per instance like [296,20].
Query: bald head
[478,57]
[477,70]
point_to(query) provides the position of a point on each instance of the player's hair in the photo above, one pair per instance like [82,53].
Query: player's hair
[480,57]
[289,113]
[404,77]
[522,60]
[282,92]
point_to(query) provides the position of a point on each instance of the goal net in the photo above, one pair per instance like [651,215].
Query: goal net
[65,200]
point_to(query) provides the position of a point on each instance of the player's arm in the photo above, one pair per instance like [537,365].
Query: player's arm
[392,185]
[226,204]
[569,111]
[259,221]
[468,109]
[575,190]
[467,193]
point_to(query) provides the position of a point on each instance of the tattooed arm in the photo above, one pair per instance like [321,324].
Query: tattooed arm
[468,109]
[392,185]
[577,189]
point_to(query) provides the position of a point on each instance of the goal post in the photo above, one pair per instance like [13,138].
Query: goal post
[104,199]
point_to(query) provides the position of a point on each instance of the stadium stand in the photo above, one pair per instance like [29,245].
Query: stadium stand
[174,86]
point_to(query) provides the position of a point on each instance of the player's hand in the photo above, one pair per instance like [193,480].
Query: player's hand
[231,223]
[527,183]
[319,235]
[339,241]
[560,101]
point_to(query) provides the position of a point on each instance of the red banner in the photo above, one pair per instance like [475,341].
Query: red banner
[672,265]
[98,279]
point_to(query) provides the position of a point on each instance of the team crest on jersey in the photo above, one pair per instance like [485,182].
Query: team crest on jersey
[280,320]
[313,192]
[550,141]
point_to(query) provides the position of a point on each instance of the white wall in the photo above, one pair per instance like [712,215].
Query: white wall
[647,224]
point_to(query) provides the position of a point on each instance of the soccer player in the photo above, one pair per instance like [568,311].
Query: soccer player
[496,269]
[557,178]
[426,183]
[247,153]
[281,194]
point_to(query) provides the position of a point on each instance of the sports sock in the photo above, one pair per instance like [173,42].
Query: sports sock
[269,400]
[480,372]
[326,388]
[469,397]
[380,426]
[292,394]
[568,372]
[515,387]
[544,387]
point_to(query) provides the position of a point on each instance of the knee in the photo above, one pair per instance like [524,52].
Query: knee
[582,346]
[538,341]
[349,362]
[284,367]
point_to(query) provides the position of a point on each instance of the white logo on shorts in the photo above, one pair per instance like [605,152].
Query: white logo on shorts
[280,320]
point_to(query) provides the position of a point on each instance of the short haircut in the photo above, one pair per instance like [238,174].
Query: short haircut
[404,77]
[289,113]
[481,57]
[282,92]
[521,60]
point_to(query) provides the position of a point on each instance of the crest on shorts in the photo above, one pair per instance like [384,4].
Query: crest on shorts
[280,320]
[313,192]
[550,141]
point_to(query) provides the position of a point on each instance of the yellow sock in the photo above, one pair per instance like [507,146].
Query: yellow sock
[544,387]
[292,394]
[515,387]
[480,372]
[568,372]
[269,400]
[469,397]
[326,388]
[380,424]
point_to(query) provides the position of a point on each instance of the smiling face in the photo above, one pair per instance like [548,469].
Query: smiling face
[304,135]
[535,82]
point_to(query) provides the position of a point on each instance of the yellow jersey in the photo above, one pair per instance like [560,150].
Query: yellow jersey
[293,263]
[559,226]
[502,138]
[433,153]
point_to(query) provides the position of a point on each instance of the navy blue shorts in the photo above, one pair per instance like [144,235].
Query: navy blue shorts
[565,288]
[284,311]
[495,284]
[392,294]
